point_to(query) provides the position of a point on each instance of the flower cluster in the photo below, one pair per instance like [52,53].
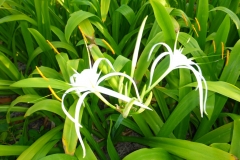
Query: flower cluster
[89,80]
[178,60]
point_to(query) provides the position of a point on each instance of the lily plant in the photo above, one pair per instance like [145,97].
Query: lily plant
[177,61]
[88,81]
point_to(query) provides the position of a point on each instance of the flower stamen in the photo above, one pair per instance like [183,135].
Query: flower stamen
[198,24]
[227,59]
[55,50]
[195,30]
[41,74]
[54,93]
[108,45]
[185,20]
[222,44]
[214,46]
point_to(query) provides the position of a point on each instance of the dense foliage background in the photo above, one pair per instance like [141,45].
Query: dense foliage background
[32,123]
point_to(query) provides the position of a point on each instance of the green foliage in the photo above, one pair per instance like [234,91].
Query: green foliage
[209,35]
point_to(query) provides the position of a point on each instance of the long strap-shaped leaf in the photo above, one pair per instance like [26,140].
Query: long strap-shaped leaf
[145,153]
[37,145]
[202,16]
[184,107]
[183,148]
[164,21]
[235,145]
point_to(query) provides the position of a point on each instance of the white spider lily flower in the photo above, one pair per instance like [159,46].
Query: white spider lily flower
[178,60]
[87,82]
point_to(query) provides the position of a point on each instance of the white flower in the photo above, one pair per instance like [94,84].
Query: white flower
[178,60]
[88,81]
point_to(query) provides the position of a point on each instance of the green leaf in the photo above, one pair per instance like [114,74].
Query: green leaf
[45,150]
[161,104]
[70,138]
[44,46]
[20,99]
[104,9]
[221,87]
[40,39]
[47,105]
[38,144]
[87,29]
[43,18]
[231,115]
[145,153]
[1,2]
[64,45]
[223,146]
[18,17]
[221,134]
[11,150]
[59,156]
[4,108]
[41,83]
[127,12]
[74,20]
[230,13]
[202,16]
[8,67]
[142,124]
[126,122]
[62,59]
[27,38]
[143,64]
[120,62]
[183,148]
[235,145]
[230,74]
[164,21]
[59,33]
[184,107]
[110,147]
[210,104]
[89,153]
[106,34]
[48,73]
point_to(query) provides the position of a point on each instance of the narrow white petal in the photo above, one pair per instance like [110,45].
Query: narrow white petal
[200,89]
[175,44]
[119,96]
[97,62]
[136,49]
[199,79]
[63,107]
[76,120]
[120,74]
[155,45]
[155,62]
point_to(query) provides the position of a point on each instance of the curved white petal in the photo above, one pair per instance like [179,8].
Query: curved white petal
[119,96]
[199,78]
[137,46]
[200,89]
[76,120]
[120,74]
[63,107]
[155,45]
[97,62]
[175,44]
[155,62]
